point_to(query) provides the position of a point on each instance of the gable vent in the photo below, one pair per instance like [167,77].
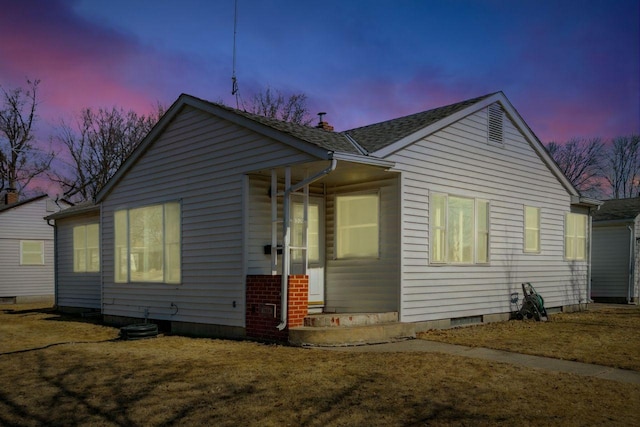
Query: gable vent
[496,118]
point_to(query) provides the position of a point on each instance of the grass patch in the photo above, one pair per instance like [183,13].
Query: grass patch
[604,335]
[52,374]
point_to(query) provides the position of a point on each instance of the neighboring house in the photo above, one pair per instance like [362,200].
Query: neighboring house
[77,242]
[220,217]
[26,249]
[616,236]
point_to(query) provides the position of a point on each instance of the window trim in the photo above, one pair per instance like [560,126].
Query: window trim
[336,244]
[526,228]
[126,212]
[574,236]
[433,229]
[22,242]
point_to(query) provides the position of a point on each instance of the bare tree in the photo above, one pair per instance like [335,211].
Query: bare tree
[275,105]
[101,142]
[580,161]
[622,167]
[21,159]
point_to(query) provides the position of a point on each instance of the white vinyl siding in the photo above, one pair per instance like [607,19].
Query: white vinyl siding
[531,229]
[460,230]
[575,237]
[457,160]
[367,284]
[357,225]
[86,248]
[26,222]
[203,161]
[31,252]
[148,244]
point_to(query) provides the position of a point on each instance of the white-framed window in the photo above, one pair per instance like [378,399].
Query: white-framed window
[86,248]
[575,237]
[459,230]
[357,225]
[531,229]
[147,244]
[31,252]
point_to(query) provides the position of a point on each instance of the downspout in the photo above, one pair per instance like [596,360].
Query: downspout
[632,241]
[589,300]
[286,235]
[55,262]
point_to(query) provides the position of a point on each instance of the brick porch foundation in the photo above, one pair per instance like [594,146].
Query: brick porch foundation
[264,306]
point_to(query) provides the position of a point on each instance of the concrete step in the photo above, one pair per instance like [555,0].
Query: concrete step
[325,320]
[331,336]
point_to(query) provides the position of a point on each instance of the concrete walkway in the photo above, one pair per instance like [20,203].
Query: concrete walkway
[525,360]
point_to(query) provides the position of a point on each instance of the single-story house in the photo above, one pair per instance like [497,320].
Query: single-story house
[616,236]
[26,249]
[227,223]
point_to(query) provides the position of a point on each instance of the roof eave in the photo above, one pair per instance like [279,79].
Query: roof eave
[365,160]
[586,202]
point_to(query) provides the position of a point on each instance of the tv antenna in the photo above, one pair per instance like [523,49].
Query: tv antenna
[234,80]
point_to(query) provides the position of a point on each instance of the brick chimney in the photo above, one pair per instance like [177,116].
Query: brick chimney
[322,124]
[10,197]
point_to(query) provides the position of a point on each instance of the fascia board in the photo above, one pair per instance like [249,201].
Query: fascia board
[366,160]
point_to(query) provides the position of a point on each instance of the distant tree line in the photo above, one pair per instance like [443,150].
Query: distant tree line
[598,168]
[96,144]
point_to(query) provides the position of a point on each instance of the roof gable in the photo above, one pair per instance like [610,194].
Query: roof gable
[316,142]
[404,131]
[4,208]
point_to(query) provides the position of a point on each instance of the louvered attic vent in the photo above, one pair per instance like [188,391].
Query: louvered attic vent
[496,118]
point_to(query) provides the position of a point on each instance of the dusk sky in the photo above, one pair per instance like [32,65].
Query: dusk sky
[571,68]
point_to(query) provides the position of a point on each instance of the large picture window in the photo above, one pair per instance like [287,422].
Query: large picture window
[31,252]
[357,225]
[575,237]
[531,229]
[86,248]
[147,244]
[459,230]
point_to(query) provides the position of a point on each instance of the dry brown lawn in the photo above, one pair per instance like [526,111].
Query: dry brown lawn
[58,370]
[606,335]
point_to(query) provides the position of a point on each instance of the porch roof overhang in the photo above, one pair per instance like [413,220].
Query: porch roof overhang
[350,169]
[586,202]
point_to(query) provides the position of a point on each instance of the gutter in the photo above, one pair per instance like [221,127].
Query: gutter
[286,265]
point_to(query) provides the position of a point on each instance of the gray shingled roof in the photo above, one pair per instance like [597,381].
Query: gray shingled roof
[372,137]
[377,136]
[618,209]
[331,141]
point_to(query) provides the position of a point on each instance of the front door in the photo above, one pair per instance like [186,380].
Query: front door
[315,248]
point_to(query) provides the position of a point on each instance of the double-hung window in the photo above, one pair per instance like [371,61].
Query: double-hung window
[31,252]
[147,244]
[459,230]
[357,225]
[575,237]
[86,248]
[531,229]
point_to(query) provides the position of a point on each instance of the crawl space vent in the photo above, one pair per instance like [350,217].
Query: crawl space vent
[496,118]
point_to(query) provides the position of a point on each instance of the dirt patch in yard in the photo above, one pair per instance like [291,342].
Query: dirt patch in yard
[605,335]
[51,374]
